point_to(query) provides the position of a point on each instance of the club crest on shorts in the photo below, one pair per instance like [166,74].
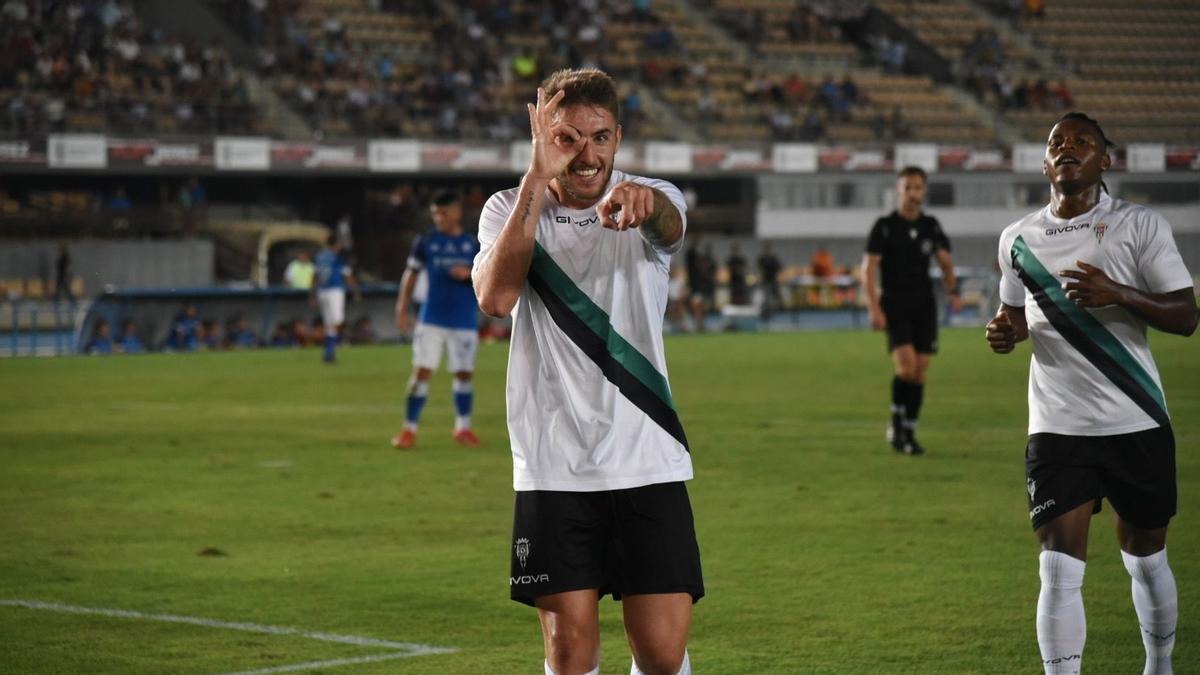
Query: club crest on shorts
[1031,486]
[1099,230]
[521,548]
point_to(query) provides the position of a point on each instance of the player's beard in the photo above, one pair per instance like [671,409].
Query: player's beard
[583,195]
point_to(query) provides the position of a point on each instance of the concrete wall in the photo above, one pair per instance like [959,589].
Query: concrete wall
[122,264]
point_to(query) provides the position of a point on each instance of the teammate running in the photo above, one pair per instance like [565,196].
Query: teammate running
[1084,277]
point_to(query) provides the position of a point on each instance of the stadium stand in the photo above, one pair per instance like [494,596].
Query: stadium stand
[782,91]
[96,67]
[1131,63]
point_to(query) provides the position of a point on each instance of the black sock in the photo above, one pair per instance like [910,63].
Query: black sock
[899,405]
[916,395]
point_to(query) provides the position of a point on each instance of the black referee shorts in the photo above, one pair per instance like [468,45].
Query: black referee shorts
[911,323]
[1135,472]
[623,542]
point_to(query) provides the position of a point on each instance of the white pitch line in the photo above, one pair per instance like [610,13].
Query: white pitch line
[311,665]
[405,649]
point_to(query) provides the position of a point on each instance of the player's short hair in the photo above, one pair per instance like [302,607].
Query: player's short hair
[445,198]
[584,86]
[912,171]
[1082,117]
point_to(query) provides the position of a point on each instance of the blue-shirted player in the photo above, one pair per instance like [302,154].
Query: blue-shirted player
[448,319]
[333,276]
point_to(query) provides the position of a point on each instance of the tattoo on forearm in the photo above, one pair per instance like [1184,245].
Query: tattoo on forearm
[663,224]
[528,207]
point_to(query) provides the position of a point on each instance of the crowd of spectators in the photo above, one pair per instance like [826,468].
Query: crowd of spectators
[191,333]
[988,73]
[799,110]
[93,65]
[466,82]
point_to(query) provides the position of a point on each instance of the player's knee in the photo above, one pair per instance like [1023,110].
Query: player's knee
[424,374]
[571,649]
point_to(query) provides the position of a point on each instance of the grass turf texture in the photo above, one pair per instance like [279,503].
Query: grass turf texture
[824,551]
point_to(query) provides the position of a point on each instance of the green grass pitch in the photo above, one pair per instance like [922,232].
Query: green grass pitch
[823,551]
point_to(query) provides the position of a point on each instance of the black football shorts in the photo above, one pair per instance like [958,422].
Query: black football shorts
[1135,472]
[622,542]
[911,323]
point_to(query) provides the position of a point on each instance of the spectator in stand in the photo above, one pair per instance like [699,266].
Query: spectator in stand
[299,271]
[736,266]
[210,337]
[769,268]
[1062,94]
[130,342]
[822,264]
[832,98]
[118,209]
[239,336]
[813,128]
[362,332]
[62,274]
[851,96]
[783,126]
[702,281]
[283,335]
[101,342]
[1039,94]
[185,332]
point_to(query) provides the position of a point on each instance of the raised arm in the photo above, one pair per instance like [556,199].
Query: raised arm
[633,205]
[500,275]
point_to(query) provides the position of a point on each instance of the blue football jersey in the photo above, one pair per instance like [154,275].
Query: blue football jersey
[451,303]
[331,270]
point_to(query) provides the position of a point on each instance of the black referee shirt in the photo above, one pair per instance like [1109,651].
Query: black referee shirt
[904,247]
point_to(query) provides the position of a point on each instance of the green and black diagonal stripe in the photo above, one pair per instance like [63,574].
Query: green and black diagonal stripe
[588,326]
[1087,335]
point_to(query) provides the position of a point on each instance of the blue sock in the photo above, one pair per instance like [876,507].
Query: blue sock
[330,343]
[463,397]
[417,393]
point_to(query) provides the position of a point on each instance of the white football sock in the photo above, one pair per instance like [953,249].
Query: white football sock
[685,668]
[1157,605]
[1061,625]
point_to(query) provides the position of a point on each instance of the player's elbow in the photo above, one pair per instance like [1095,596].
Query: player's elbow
[1189,327]
[495,302]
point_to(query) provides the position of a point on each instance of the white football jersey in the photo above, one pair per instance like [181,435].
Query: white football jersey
[1092,373]
[589,405]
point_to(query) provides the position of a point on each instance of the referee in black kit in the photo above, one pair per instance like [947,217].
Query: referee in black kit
[898,252]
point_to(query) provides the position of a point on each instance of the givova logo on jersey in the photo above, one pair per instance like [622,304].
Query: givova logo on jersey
[581,222]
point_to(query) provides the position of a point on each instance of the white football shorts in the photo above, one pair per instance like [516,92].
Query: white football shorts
[332,302]
[460,345]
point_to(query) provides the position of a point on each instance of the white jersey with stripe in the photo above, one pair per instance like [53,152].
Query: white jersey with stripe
[589,406]
[1092,373]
